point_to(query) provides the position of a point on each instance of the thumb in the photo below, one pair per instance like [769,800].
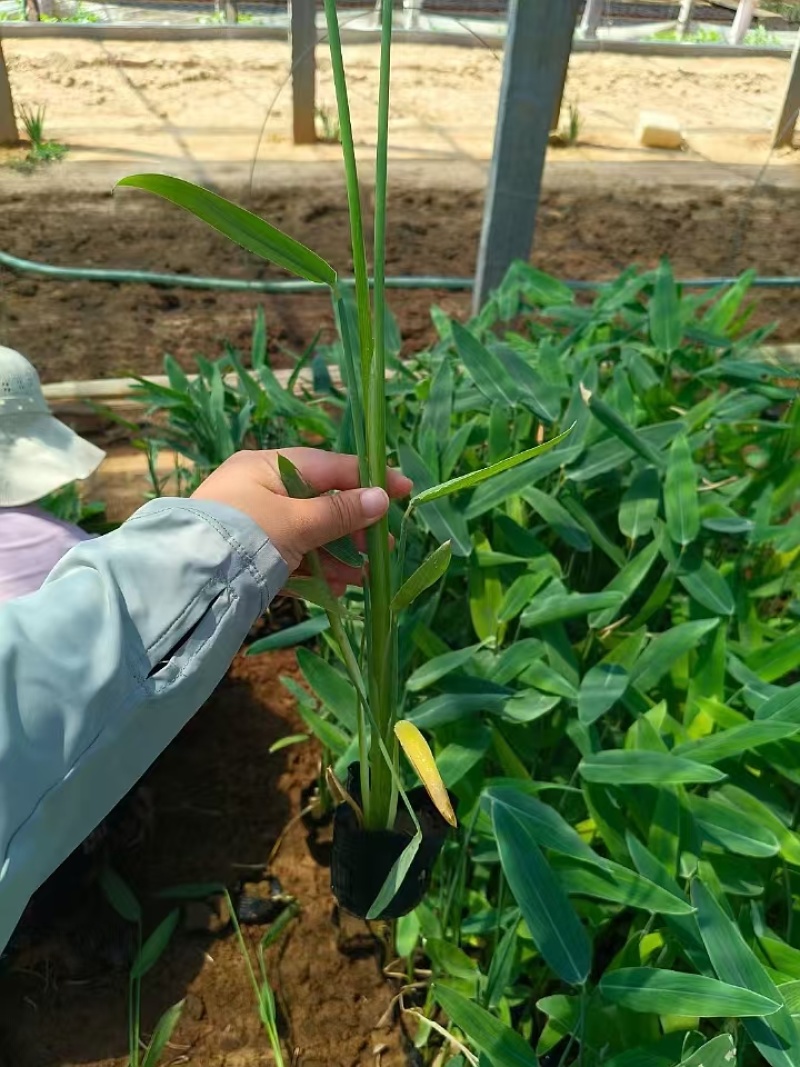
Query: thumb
[327,517]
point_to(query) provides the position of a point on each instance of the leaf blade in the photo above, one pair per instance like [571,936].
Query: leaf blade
[240,226]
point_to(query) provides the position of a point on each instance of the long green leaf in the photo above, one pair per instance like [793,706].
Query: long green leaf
[627,581]
[720,1051]
[520,593]
[614,422]
[555,928]
[784,705]
[534,392]
[620,885]
[434,427]
[666,328]
[242,227]
[638,767]
[681,503]
[467,481]
[684,926]
[330,686]
[727,744]
[663,992]
[665,649]
[155,946]
[439,667]
[736,831]
[562,606]
[502,966]
[558,519]
[164,1029]
[427,574]
[600,690]
[330,736]
[443,520]
[705,584]
[292,635]
[776,1038]
[503,1046]
[639,506]
[775,660]
[395,877]
[548,828]
[120,896]
[485,369]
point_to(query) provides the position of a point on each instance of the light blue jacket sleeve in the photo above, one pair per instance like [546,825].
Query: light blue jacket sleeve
[101,668]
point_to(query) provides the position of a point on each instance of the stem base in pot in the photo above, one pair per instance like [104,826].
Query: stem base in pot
[363,858]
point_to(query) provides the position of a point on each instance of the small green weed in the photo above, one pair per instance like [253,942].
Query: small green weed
[761,37]
[41,150]
[329,130]
[696,36]
[574,125]
[123,901]
[264,993]
[80,14]
[219,18]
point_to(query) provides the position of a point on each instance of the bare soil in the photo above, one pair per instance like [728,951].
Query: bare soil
[83,330]
[220,802]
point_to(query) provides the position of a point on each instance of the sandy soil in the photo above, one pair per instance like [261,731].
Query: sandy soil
[208,101]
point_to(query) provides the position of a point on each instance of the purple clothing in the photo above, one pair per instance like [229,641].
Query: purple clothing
[31,544]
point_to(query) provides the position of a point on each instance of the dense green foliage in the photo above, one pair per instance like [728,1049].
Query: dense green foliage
[608,672]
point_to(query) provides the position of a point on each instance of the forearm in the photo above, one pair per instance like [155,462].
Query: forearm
[102,667]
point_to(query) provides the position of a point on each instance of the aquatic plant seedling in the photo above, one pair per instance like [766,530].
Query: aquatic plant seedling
[372,669]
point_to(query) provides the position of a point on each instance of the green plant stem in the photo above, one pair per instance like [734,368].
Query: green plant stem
[354,388]
[353,198]
[270,1032]
[356,677]
[381,622]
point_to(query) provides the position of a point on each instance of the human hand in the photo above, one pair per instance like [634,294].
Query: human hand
[250,482]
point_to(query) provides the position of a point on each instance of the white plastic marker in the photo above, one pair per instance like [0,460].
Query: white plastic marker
[421,759]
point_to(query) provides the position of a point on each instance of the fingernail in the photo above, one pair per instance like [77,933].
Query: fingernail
[374,502]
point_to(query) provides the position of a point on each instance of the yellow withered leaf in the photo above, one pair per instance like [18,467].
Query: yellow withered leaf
[421,759]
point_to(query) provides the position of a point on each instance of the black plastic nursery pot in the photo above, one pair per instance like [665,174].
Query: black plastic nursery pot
[362,859]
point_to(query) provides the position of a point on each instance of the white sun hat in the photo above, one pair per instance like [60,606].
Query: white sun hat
[38,454]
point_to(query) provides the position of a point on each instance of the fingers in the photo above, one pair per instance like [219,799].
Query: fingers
[330,470]
[397,485]
[325,518]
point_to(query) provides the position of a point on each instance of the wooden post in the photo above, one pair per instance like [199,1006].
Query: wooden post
[303,15]
[8,124]
[742,20]
[685,18]
[592,14]
[538,46]
[787,120]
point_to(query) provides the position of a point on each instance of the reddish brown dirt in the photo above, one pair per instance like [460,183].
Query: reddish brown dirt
[220,801]
[83,330]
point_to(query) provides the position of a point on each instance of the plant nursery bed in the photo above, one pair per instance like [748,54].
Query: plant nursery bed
[217,803]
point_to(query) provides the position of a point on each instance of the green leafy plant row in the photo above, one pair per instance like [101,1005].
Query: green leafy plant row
[607,673]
